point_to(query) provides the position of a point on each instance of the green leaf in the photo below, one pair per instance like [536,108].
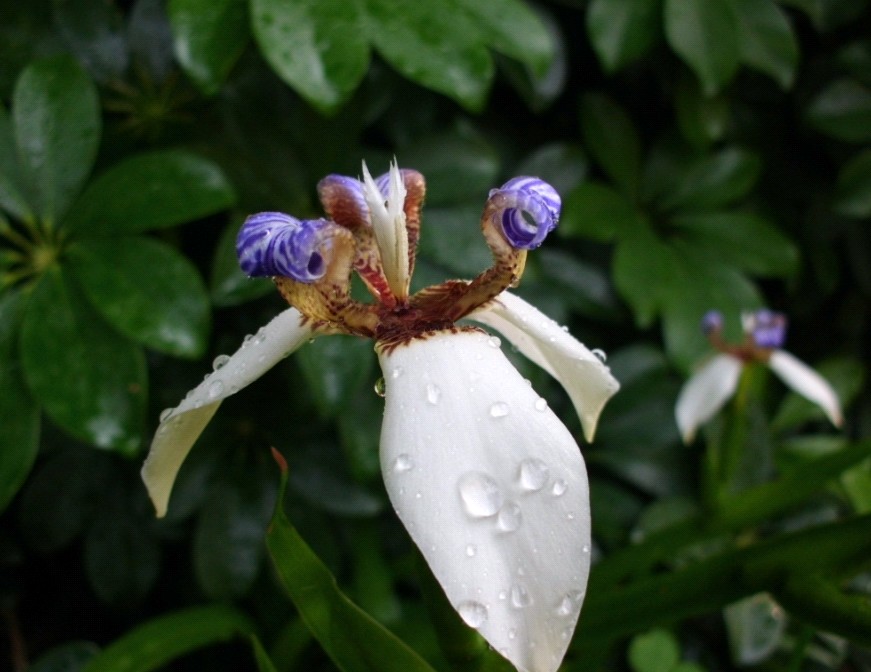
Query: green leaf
[596,211]
[702,119]
[766,40]
[853,188]
[334,369]
[208,38]
[154,643]
[842,110]
[228,285]
[57,131]
[715,180]
[564,165]
[704,33]
[146,290]
[621,31]
[611,138]
[513,29]
[94,31]
[70,657]
[19,414]
[319,48]
[827,15]
[149,38]
[434,44]
[640,256]
[456,228]
[151,191]
[90,380]
[741,239]
[654,651]
[350,637]
[12,197]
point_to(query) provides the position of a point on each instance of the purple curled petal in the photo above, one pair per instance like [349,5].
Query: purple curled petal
[541,189]
[768,328]
[273,243]
[525,218]
[712,321]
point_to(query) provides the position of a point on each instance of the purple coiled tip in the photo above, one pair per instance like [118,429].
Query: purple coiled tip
[712,322]
[273,243]
[767,328]
[531,213]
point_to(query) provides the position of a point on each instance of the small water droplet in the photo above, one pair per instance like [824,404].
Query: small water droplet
[600,354]
[418,495]
[566,606]
[520,597]
[585,548]
[471,550]
[165,413]
[565,328]
[533,474]
[247,340]
[540,404]
[396,372]
[259,337]
[403,463]
[503,594]
[198,403]
[220,361]
[380,387]
[570,516]
[216,389]
[512,633]
[494,341]
[559,488]
[473,613]
[567,633]
[480,494]
[510,516]
[433,394]
[499,410]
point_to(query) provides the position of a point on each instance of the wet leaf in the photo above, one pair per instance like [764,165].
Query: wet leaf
[94,31]
[622,31]
[842,110]
[610,136]
[766,40]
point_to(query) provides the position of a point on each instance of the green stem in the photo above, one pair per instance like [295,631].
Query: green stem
[821,603]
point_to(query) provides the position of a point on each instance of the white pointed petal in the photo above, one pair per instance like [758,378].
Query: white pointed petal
[181,427]
[705,392]
[492,488]
[807,382]
[586,379]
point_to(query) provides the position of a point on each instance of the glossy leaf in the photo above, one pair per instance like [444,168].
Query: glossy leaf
[12,197]
[654,651]
[434,45]
[715,180]
[151,191]
[596,211]
[90,380]
[610,136]
[563,165]
[622,31]
[94,31]
[319,48]
[853,189]
[842,110]
[702,119]
[155,643]
[149,38]
[57,130]
[766,40]
[146,290]
[19,413]
[334,369]
[208,38]
[349,636]
[704,33]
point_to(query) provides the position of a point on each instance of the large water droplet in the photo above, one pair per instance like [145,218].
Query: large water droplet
[520,597]
[403,463]
[216,389]
[510,517]
[600,354]
[220,361]
[165,413]
[540,404]
[480,494]
[533,474]
[259,337]
[433,394]
[559,488]
[499,410]
[494,341]
[473,613]
[380,387]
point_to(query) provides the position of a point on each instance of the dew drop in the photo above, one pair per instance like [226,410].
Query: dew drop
[520,597]
[600,354]
[216,389]
[540,404]
[494,341]
[510,517]
[396,372]
[512,633]
[480,494]
[585,548]
[566,606]
[403,463]
[433,394]
[220,361]
[499,410]
[380,387]
[533,474]
[259,337]
[471,550]
[247,340]
[165,413]
[559,488]
[473,613]
[570,516]
[198,403]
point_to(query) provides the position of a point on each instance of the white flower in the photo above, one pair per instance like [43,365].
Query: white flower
[487,480]
[715,382]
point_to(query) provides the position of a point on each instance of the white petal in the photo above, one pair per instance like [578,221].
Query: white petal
[705,393]
[586,379]
[492,488]
[807,382]
[181,427]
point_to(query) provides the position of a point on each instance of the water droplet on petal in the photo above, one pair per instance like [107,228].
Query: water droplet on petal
[220,361]
[165,413]
[259,337]
[494,341]
[512,633]
[216,389]
[380,387]
[480,494]
[540,404]
[433,394]
[520,597]
[570,516]
[473,613]
[499,410]
[471,550]
[559,488]
[600,354]
[403,463]
[585,548]
[510,517]
[533,474]
[566,606]
[396,372]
